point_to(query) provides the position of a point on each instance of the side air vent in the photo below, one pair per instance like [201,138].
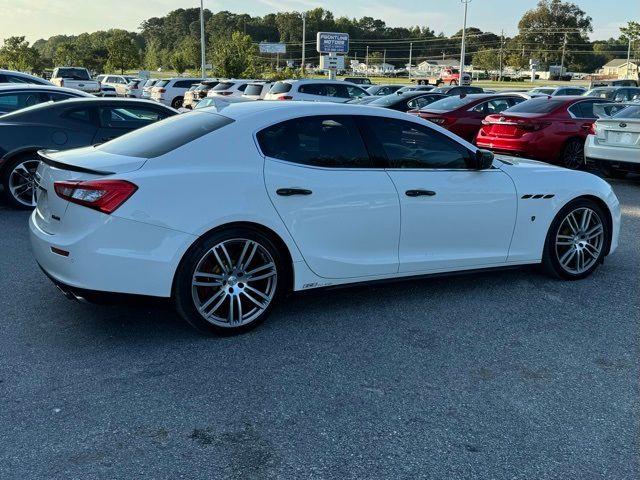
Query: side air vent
[537,196]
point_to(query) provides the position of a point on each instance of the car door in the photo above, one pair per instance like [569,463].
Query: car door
[116,120]
[452,216]
[342,211]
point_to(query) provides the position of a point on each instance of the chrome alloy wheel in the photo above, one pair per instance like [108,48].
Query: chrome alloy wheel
[21,182]
[234,282]
[580,240]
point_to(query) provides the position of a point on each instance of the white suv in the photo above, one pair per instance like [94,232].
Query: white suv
[171,91]
[119,82]
[257,90]
[315,90]
[229,88]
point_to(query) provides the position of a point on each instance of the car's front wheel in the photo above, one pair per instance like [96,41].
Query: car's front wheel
[577,240]
[18,180]
[229,282]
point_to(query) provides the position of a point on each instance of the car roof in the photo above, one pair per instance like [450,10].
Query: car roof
[8,87]
[318,80]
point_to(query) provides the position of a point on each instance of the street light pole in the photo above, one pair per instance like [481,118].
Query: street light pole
[626,74]
[410,55]
[304,35]
[202,53]
[464,31]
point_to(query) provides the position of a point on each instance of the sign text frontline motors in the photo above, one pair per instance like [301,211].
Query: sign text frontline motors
[332,42]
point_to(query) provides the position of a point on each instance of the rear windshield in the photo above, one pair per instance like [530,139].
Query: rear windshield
[253,89]
[280,87]
[545,91]
[536,105]
[387,100]
[161,83]
[150,83]
[223,86]
[632,111]
[449,103]
[73,73]
[166,135]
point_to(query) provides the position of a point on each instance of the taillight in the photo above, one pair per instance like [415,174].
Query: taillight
[225,93]
[62,82]
[439,121]
[102,195]
[99,86]
[285,97]
[593,129]
[162,90]
[532,126]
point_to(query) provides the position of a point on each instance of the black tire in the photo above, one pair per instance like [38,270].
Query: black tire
[177,102]
[552,254]
[612,172]
[29,162]
[185,294]
[572,155]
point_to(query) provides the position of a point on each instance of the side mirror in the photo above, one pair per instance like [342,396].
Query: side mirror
[484,159]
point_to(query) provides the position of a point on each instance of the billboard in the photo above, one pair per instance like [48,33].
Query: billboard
[332,42]
[272,47]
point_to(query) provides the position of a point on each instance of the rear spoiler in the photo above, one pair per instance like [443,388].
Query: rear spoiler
[46,158]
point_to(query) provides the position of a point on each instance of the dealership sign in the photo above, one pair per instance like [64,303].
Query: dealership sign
[273,47]
[332,42]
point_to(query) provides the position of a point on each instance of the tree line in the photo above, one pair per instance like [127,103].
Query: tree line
[173,42]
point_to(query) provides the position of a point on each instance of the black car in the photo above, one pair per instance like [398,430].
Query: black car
[457,90]
[403,102]
[77,122]
[17,96]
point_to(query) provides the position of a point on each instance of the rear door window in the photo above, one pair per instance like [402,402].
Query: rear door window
[321,141]
[583,109]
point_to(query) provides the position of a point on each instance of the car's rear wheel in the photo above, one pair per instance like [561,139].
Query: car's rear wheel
[577,240]
[177,102]
[229,282]
[612,172]
[18,180]
[573,154]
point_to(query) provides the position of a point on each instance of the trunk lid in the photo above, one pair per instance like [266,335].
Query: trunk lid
[73,165]
[511,126]
[618,132]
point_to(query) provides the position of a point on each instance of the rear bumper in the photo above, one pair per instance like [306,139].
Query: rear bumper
[596,152]
[115,255]
[530,145]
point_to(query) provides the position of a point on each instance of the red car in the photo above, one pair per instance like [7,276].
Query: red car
[463,114]
[552,129]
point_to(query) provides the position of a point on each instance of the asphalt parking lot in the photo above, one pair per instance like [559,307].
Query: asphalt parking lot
[508,375]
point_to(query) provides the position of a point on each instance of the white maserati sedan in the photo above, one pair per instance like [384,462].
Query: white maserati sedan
[225,211]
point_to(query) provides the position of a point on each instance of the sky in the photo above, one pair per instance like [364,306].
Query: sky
[42,18]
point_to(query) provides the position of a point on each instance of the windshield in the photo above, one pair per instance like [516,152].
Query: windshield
[223,86]
[206,102]
[536,105]
[388,100]
[448,104]
[544,91]
[632,111]
[166,135]
[253,89]
[74,73]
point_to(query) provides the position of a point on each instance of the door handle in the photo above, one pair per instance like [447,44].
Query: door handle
[288,192]
[419,193]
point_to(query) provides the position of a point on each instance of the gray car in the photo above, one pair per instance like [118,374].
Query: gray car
[16,96]
[73,123]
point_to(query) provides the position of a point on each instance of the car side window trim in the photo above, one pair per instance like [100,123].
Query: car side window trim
[579,106]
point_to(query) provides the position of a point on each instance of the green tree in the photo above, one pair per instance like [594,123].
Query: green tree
[122,51]
[16,54]
[66,55]
[153,54]
[486,59]
[545,28]
[179,63]
[234,55]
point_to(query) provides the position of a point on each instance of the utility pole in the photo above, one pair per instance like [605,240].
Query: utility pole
[564,44]
[366,61]
[203,63]
[626,74]
[464,30]
[410,55]
[501,47]
[384,57]
[304,34]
